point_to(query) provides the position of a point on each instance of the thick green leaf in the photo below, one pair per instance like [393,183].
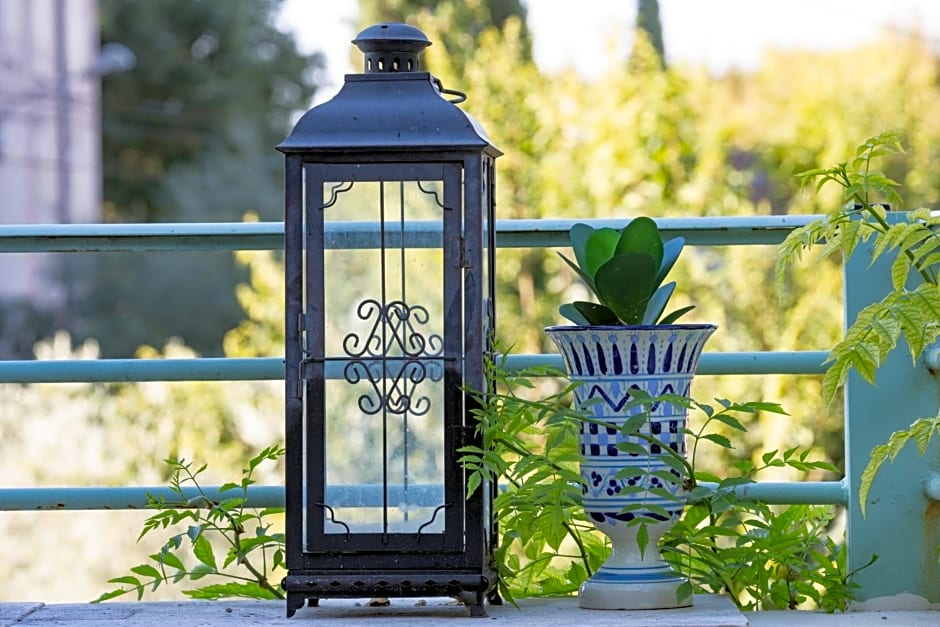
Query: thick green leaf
[579,235]
[594,313]
[569,311]
[657,304]
[625,285]
[675,315]
[641,235]
[599,250]
[671,251]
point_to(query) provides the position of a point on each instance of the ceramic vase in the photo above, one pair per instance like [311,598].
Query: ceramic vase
[610,362]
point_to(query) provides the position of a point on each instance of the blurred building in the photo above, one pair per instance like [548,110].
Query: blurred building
[50,138]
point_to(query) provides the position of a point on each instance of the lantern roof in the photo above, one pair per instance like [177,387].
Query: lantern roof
[391,106]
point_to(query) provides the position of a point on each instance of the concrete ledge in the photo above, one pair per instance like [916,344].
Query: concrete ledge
[708,611]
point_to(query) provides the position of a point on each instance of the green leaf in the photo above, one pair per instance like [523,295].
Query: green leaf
[633,424]
[900,269]
[632,448]
[718,439]
[657,304]
[641,235]
[127,579]
[194,531]
[249,590]
[146,570]
[473,482]
[202,549]
[107,596]
[592,312]
[671,251]
[642,538]
[675,315]
[201,570]
[599,249]
[168,559]
[569,311]
[625,285]
[579,235]
[731,421]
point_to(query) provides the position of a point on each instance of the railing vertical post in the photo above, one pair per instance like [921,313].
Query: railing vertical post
[901,524]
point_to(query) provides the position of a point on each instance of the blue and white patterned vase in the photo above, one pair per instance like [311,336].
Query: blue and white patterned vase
[609,362]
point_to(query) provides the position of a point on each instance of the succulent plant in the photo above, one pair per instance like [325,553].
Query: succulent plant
[625,271]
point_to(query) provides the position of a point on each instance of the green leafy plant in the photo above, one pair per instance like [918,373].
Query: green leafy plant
[253,553]
[547,545]
[911,313]
[624,269]
[762,557]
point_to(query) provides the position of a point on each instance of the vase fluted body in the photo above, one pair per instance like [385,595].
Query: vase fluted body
[610,362]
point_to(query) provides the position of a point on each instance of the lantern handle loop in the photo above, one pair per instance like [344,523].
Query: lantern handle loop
[461,97]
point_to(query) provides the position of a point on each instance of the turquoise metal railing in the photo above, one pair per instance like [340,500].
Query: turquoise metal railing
[898,502]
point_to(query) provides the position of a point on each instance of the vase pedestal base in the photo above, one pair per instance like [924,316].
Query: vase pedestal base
[649,595]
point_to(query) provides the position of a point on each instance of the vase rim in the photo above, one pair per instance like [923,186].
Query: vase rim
[630,327]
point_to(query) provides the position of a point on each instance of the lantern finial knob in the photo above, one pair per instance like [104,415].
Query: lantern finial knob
[391,47]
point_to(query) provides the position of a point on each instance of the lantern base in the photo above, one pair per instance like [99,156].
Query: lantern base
[473,590]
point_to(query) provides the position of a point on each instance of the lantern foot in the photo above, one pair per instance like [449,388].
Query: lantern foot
[475,602]
[295,601]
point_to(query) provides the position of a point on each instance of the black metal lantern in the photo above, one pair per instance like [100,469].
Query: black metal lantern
[389,253]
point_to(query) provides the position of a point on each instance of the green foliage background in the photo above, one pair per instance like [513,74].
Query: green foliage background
[640,140]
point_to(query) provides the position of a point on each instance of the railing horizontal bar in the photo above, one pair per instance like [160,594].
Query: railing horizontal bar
[793,492]
[272,368]
[709,231]
[422,495]
[116,498]
[780,362]
[125,370]
[70,238]
[19,238]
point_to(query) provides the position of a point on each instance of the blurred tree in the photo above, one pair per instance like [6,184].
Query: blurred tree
[647,22]
[214,81]
[188,136]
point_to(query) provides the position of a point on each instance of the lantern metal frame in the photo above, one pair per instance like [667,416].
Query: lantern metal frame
[390,125]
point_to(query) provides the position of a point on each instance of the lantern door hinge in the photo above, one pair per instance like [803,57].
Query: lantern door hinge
[297,385]
[304,325]
[463,253]
[304,322]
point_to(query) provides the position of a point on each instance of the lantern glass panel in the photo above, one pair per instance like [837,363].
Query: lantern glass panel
[384,429]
